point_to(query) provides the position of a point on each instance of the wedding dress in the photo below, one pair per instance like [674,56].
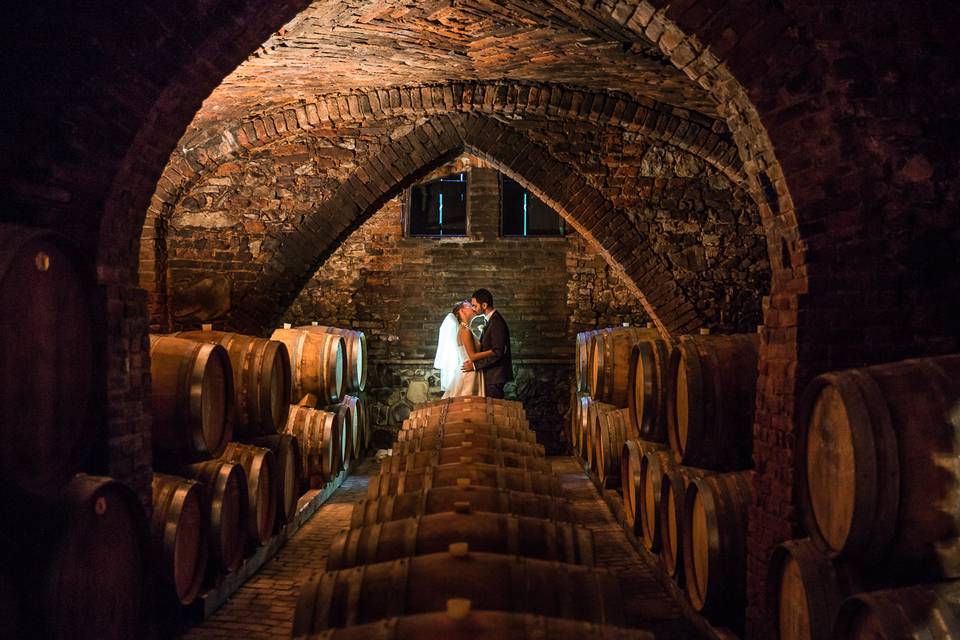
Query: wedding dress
[450,358]
[464,383]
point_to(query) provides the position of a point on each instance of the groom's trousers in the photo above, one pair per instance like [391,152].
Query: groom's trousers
[494,391]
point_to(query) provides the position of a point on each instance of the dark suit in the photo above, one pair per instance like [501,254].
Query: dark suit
[498,368]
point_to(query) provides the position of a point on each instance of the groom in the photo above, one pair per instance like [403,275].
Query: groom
[498,368]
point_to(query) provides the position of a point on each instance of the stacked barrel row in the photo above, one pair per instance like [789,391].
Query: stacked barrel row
[232,455]
[464,534]
[676,440]
[878,486]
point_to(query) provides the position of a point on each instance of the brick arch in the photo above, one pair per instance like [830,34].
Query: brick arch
[295,255]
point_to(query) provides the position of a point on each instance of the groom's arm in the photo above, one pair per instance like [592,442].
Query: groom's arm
[498,344]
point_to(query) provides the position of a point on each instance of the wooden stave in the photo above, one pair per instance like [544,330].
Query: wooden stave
[584,349]
[594,409]
[584,593]
[653,466]
[920,612]
[355,354]
[177,399]
[439,440]
[260,466]
[430,458]
[318,438]
[470,428]
[453,498]
[45,443]
[897,478]
[259,411]
[459,401]
[612,431]
[674,485]
[286,450]
[726,497]
[611,363]
[719,371]
[479,625]
[647,388]
[450,474]
[171,494]
[217,477]
[344,421]
[358,440]
[483,531]
[317,363]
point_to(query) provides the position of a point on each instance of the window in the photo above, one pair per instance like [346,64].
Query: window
[522,214]
[439,207]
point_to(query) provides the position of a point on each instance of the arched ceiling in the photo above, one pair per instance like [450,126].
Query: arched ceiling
[336,46]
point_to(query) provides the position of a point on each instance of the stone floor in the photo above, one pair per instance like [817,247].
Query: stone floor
[263,607]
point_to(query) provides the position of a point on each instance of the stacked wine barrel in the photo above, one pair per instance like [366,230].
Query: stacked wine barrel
[49,509]
[465,533]
[877,482]
[673,431]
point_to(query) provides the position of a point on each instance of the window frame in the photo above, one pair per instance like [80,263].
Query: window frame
[407,210]
[559,236]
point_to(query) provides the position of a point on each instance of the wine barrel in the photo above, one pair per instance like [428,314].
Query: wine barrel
[225,492]
[594,409]
[877,439]
[921,612]
[433,422]
[648,379]
[46,362]
[286,451]
[347,432]
[191,399]
[355,354]
[461,622]
[479,406]
[469,429]
[318,435]
[711,399]
[806,590]
[610,432]
[439,440]
[358,429]
[460,401]
[673,495]
[584,357]
[715,547]
[488,532]
[654,465]
[317,363]
[86,570]
[581,427]
[631,485]
[610,369]
[261,380]
[466,455]
[446,475]
[468,498]
[424,583]
[180,535]
[261,468]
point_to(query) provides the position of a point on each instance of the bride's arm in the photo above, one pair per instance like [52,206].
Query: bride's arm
[466,339]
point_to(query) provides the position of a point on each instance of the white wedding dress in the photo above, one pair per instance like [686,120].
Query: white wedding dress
[464,383]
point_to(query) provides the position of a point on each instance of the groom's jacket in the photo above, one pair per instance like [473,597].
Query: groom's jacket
[498,368]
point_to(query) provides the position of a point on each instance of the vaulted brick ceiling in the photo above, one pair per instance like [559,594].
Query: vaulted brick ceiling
[338,45]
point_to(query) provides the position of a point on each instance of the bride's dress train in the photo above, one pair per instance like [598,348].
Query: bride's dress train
[464,383]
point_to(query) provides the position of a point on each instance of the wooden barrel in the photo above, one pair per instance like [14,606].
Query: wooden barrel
[477,408]
[317,362]
[648,379]
[465,455]
[358,429]
[468,498]
[261,380]
[433,421]
[490,581]
[711,399]
[260,465]
[355,354]
[488,532]
[180,535]
[318,435]
[86,570]
[715,544]
[631,455]
[446,475]
[874,484]
[469,429]
[286,451]
[46,362]
[921,612]
[461,622]
[591,443]
[225,490]
[610,370]
[673,494]
[581,427]
[344,419]
[191,399]
[439,440]
[584,357]
[611,431]
[654,465]
[807,589]
[461,401]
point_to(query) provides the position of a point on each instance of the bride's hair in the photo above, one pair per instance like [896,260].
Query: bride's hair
[457,307]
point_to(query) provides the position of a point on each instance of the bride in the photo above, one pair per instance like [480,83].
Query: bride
[455,345]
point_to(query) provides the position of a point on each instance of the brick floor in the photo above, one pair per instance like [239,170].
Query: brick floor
[263,608]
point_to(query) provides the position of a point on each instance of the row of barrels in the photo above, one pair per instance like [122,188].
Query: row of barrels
[877,485]
[464,533]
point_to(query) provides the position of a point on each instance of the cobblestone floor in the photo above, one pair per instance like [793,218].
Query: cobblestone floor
[263,608]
